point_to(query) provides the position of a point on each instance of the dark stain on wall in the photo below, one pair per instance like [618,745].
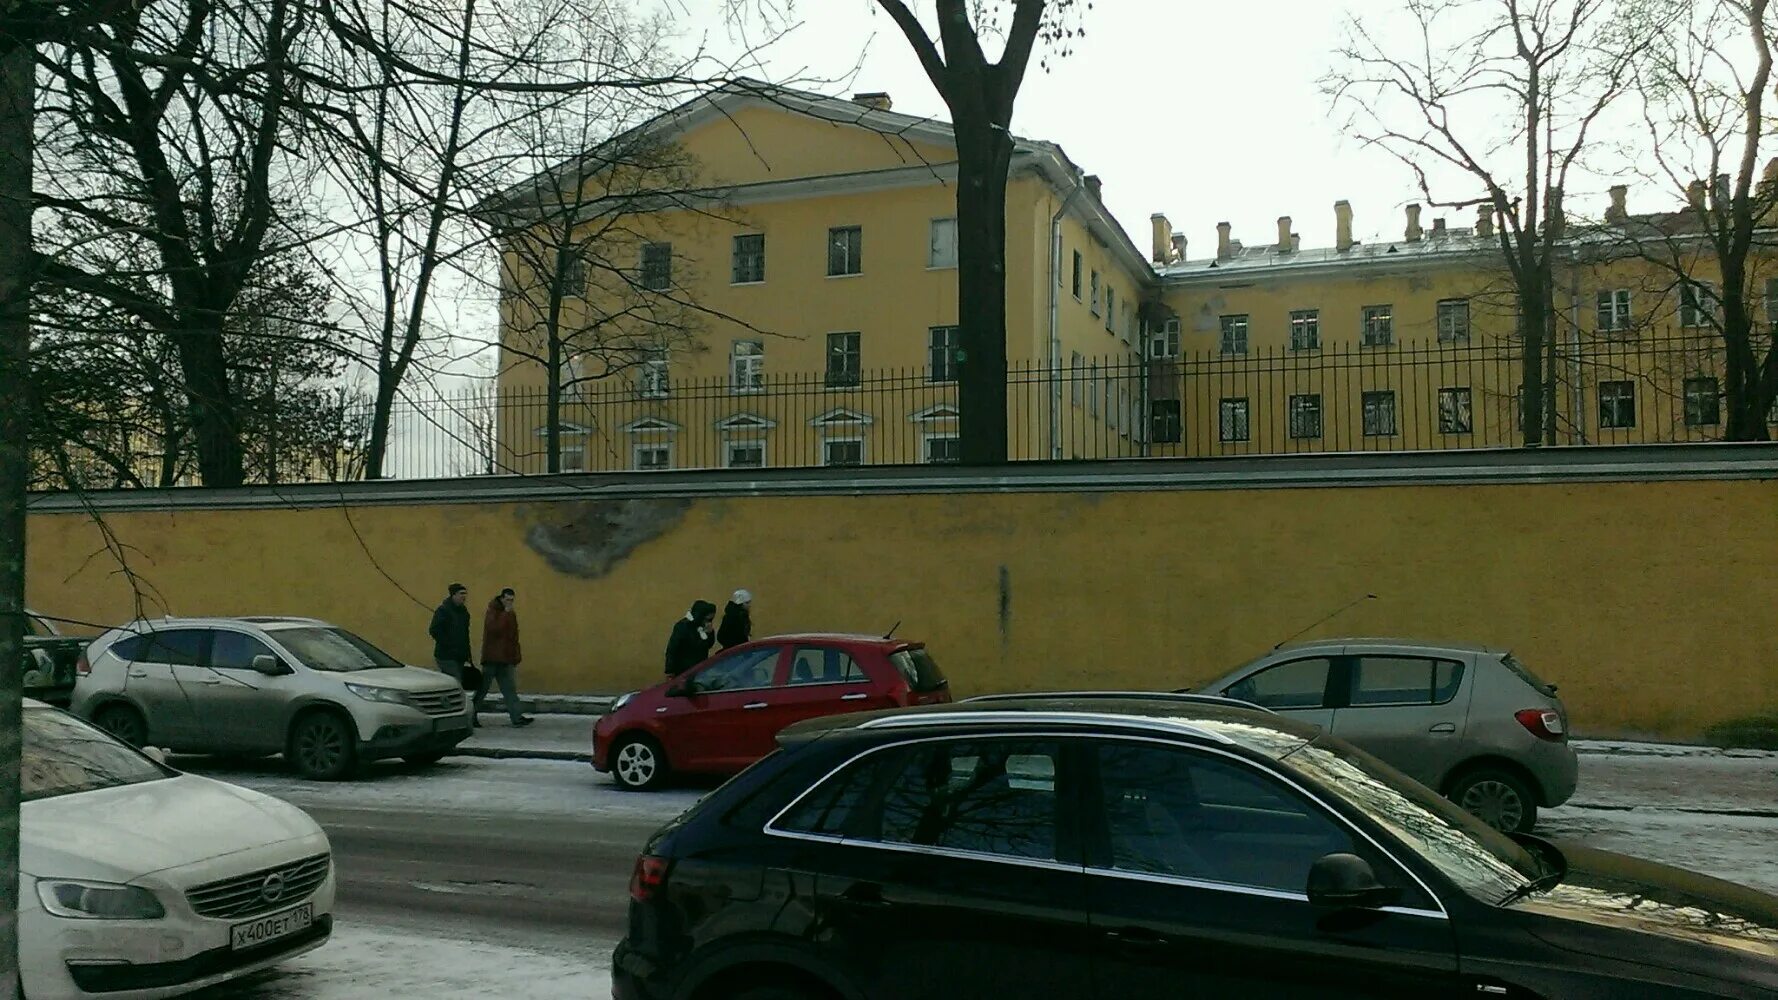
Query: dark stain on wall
[590,538]
[1005,608]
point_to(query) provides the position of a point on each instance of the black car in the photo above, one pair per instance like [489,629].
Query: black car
[1146,849]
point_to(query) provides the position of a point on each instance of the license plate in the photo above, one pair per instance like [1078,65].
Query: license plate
[451,724]
[268,929]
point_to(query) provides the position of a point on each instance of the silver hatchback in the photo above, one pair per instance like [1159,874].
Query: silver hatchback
[1469,721]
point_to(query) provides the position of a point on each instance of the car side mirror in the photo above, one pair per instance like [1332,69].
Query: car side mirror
[270,665]
[677,691]
[1347,881]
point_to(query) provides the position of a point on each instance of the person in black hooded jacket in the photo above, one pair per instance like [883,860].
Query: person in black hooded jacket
[737,621]
[689,645]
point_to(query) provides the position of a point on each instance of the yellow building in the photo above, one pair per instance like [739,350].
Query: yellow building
[792,302]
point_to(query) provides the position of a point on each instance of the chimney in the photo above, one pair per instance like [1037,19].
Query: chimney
[1223,248]
[1178,246]
[1284,234]
[1438,228]
[1619,212]
[1484,219]
[1162,243]
[1343,225]
[876,100]
[1093,185]
[1694,195]
[1721,193]
[1414,231]
[1296,242]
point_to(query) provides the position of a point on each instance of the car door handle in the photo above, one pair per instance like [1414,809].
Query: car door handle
[1136,937]
[1444,727]
[209,680]
[753,705]
[138,673]
[860,696]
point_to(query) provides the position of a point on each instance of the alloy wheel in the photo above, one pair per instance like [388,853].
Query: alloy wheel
[1497,803]
[320,746]
[636,764]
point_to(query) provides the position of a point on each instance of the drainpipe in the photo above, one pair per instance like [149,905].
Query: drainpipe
[1055,306]
[1577,411]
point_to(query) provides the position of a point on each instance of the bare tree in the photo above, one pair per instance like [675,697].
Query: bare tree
[1703,87]
[1495,101]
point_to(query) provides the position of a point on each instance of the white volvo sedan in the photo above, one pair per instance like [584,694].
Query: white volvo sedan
[139,882]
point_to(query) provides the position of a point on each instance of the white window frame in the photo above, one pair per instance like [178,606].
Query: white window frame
[753,379]
[954,340]
[1462,399]
[1693,314]
[1394,413]
[1074,279]
[654,381]
[638,447]
[643,276]
[1614,310]
[1448,312]
[854,255]
[1305,329]
[832,439]
[1236,328]
[1293,426]
[1166,342]
[1713,399]
[1617,410]
[1095,291]
[730,444]
[745,429]
[1377,325]
[926,439]
[1110,309]
[578,449]
[855,374]
[941,251]
[1231,405]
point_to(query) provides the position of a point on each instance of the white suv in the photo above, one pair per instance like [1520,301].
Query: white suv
[316,693]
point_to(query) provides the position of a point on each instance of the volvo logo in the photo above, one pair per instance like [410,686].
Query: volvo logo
[272,889]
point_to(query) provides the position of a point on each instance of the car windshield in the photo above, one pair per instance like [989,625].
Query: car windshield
[1513,663]
[1482,861]
[333,649]
[919,668]
[63,755]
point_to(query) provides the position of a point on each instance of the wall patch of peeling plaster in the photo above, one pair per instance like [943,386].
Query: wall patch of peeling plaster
[590,538]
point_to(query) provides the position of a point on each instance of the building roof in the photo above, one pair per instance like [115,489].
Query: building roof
[1267,260]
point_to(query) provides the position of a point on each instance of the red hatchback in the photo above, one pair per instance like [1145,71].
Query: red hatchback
[724,714]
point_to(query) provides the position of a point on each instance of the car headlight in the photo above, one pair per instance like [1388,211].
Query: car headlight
[372,693]
[622,700]
[98,900]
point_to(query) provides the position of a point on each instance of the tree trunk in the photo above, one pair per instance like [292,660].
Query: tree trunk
[552,405]
[215,423]
[16,97]
[1534,323]
[381,415]
[984,154]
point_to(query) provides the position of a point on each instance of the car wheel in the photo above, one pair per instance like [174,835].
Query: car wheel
[1500,798]
[123,722]
[424,759]
[638,764]
[323,746]
[780,993]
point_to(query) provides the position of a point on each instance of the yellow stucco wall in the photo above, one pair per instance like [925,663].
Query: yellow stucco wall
[1648,603]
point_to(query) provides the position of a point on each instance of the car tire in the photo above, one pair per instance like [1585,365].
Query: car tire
[1500,798]
[423,759]
[638,764]
[785,992]
[323,746]
[124,723]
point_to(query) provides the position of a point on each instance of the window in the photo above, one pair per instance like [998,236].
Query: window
[941,248]
[1164,425]
[744,454]
[657,266]
[1232,421]
[653,382]
[571,457]
[1305,330]
[652,457]
[835,802]
[747,366]
[845,251]
[1379,326]
[943,343]
[843,359]
[1297,684]
[842,451]
[1455,415]
[1614,310]
[61,755]
[1110,310]
[942,449]
[1617,404]
[334,650]
[179,647]
[1165,344]
[1111,399]
[1171,812]
[1702,402]
[1129,327]
[576,275]
[1453,320]
[1379,413]
[1772,301]
[743,671]
[1095,290]
[983,796]
[821,665]
[1076,282]
[1305,416]
[1093,389]
[1234,334]
[1075,362]
[236,650]
[1403,680]
[1697,305]
[749,259]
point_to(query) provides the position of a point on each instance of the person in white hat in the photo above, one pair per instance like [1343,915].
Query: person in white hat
[737,620]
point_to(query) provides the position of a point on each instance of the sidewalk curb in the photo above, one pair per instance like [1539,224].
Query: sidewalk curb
[521,753]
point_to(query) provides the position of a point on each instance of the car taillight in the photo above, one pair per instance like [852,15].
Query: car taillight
[1543,724]
[83,667]
[649,878]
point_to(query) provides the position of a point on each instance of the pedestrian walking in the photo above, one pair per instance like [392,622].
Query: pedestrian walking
[500,656]
[689,645]
[450,636]
[737,621]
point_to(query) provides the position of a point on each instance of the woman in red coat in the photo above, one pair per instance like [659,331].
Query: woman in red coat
[500,656]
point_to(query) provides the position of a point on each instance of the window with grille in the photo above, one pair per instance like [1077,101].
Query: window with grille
[1233,420]
[845,251]
[1703,401]
[1455,415]
[1379,413]
[1617,404]
[657,266]
[1379,326]
[943,343]
[1305,330]
[1453,320]
[747,366]
[749,259]
[1305,416]
[844,359]
[1234,334]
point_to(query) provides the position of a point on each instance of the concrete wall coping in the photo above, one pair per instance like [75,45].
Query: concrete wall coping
[1560,465]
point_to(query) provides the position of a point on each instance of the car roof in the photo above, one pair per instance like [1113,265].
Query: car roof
[263,621]
[1397,641]
[850,638]
[1255,729]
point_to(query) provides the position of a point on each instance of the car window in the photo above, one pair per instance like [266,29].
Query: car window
[236,650]
[989,796]
[920,670]
[821,665]
[62,755]
[1296,684]
[1189,815]
[179,647]
[34,627]
[333,650]
[1524,673]
[1403,680]
[752,668]
[1481,860]
[831,805]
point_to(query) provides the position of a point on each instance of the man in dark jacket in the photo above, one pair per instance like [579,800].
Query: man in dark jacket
[737,620]
[500,656]
[690,642]
[450,633]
